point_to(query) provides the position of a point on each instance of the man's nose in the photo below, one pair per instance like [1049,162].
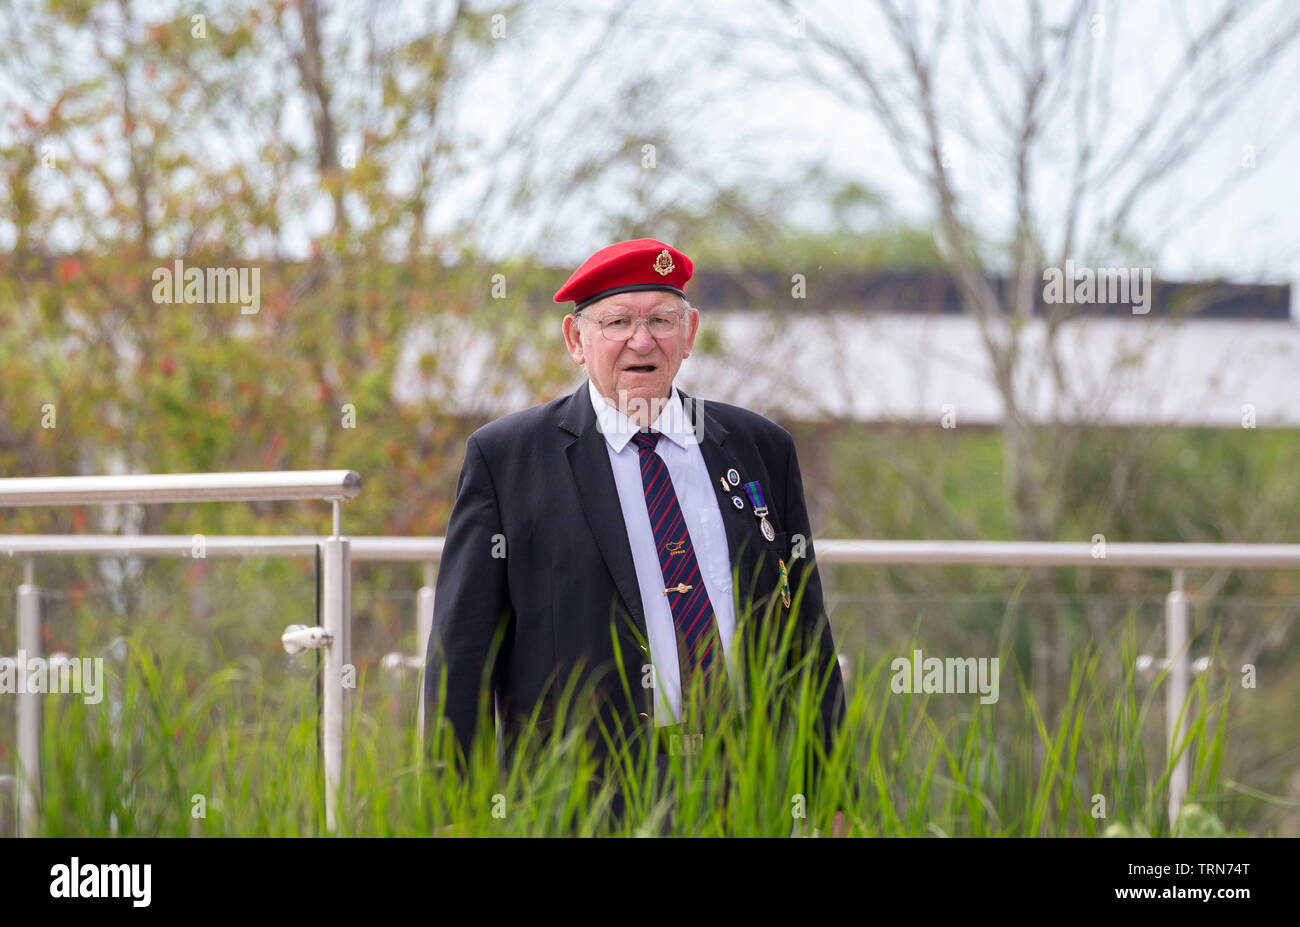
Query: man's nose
[641,339]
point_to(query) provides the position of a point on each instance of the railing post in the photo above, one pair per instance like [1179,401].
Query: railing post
[28,773]
[1178,661]
[423,628]
[7,790]
[336,618]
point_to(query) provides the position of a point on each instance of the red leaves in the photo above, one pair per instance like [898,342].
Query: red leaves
[76,595]
[69,270]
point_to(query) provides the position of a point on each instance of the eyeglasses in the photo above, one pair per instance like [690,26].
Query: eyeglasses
[621,327]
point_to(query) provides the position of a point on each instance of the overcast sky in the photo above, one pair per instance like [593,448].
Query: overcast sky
[730,81]
[736,124]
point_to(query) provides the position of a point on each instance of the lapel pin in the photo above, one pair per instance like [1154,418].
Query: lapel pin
[723,481]
[733,477]
[738,502]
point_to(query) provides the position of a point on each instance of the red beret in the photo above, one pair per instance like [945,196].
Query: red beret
[625,266]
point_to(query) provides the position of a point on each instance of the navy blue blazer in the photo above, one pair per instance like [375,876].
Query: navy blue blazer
[537,553]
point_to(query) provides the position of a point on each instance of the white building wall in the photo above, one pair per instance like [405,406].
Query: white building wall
[891,367]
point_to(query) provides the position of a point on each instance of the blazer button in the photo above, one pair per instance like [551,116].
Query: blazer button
[644,715]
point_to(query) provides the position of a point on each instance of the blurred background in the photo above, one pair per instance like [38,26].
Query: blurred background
[871,193]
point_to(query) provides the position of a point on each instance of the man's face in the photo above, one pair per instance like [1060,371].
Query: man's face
[643,367]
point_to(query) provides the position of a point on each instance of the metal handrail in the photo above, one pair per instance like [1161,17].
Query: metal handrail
[829,551]
[376,549]
[334,486]
[153,545]
[1058,553]
[331,485]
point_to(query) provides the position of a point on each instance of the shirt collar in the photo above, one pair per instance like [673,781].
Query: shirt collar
[618,428]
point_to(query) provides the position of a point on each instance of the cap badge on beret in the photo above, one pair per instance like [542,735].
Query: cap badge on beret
[664,263]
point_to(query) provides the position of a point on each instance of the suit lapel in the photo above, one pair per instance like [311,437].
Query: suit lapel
[719,458]
[589,460]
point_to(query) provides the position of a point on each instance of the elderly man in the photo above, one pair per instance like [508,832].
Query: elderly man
[596,535]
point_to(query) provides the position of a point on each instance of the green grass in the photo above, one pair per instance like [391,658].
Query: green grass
[240,745]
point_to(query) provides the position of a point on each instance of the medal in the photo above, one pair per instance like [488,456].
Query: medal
[755,493]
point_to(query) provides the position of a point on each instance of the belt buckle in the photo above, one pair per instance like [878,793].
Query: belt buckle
[684,743]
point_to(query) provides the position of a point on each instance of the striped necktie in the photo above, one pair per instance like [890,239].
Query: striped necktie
[698,650]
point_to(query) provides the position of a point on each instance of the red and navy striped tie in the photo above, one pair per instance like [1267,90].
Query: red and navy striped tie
[693,616]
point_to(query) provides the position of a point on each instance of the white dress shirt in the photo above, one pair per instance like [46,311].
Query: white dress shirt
[680,450]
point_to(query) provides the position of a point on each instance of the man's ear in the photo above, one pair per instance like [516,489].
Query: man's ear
[693,319]
[573,337]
